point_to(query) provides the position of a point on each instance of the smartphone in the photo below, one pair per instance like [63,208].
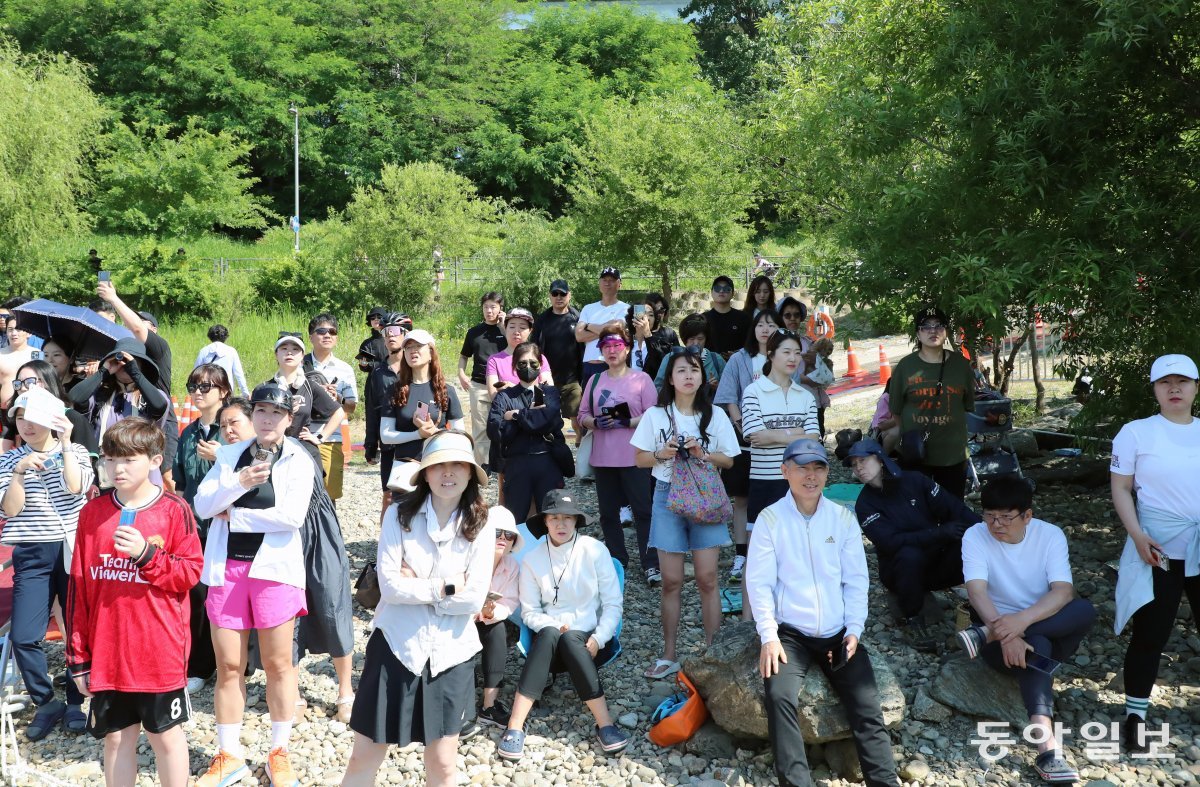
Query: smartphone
[493,596]
[499,384]
[1164,562]
[422,411]
[539,397]
[639,310]
[841,656]
[1041,663]
[104,276]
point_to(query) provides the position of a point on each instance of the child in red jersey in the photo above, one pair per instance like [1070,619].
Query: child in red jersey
[137,555]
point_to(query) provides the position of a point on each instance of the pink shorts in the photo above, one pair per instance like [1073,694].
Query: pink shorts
[245,603]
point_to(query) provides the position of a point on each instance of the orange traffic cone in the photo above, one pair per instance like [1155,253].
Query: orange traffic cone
[184,414]
[178,415]
[852,367]
[885,367]
[347,449]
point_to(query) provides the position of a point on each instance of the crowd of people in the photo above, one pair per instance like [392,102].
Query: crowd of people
[213,551]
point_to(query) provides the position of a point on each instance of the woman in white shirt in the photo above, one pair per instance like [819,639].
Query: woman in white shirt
[571,601]
[775,411]
[684,420]
[1157,457]
[434,564]
[257,495]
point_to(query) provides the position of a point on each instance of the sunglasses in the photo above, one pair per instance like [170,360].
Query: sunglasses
[325,332]
[788,333]
[558,293]
[394,330]
[201,387]
[510,537]
[527,365]
[933,327]
[723,288]
[28,382]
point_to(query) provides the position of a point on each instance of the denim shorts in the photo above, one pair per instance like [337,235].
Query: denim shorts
[670,532]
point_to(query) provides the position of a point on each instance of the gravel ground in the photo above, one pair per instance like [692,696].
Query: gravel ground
[561,748]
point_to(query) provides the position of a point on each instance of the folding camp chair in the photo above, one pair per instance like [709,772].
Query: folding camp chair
[607,654]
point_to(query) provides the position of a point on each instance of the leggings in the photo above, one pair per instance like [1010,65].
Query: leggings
[1153,624]
[495,652]
[553,651]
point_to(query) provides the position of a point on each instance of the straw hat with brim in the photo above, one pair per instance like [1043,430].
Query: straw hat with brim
[450,446]
[557,501]
[503,520]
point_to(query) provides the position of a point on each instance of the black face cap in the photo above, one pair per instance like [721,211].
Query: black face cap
[272,394]
[930,313]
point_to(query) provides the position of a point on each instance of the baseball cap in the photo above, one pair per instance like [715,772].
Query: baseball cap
[521,313]
[722,279]
[869,447]
[804,451]
[930,313]
[273,394]
[610,271]
[1173,364]
[420,336]
[559,285]
[148,317]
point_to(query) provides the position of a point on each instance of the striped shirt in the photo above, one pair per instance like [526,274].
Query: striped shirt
[50,512]
[767,406]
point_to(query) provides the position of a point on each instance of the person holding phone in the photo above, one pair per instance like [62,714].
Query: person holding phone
[1023,606]
[806,580]
[422,401]
[522,424]
[1157,458]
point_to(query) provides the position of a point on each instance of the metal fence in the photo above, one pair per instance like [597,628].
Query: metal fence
[1049,346]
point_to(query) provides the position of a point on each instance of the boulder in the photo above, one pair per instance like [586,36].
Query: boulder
[926,708]
[1024,443]
[711,742]
[726,675]
[842,758]
[1083,470]
[974,688]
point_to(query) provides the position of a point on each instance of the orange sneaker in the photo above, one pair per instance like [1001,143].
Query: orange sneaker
[279,769]
[225,770]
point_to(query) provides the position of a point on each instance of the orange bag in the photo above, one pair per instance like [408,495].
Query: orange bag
[683,723]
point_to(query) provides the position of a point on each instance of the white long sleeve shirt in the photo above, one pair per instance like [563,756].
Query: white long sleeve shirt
[281,556]
[588,596]
[811,575]
[421,623]
[228,359]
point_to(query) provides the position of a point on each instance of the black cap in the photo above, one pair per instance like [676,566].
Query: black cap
[559,285]
[869,447]
[148,317]
[610,271]
[376,312]
[557,501]
[930,312]
[274,394]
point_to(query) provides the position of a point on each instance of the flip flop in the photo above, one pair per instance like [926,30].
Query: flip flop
[661,669]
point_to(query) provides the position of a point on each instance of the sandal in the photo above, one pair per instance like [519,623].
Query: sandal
[44,721]
[345,706]
[75,721]
[661,669]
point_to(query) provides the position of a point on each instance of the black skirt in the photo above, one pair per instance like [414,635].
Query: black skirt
[395,706]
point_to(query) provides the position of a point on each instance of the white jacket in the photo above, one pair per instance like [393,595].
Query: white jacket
[589,595]
[812,576]
[281,556]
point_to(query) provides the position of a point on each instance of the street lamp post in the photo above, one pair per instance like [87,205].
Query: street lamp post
[296,168]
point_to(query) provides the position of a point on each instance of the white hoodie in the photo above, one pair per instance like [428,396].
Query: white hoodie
[810,575]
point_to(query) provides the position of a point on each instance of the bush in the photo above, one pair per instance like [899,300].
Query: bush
[159,281]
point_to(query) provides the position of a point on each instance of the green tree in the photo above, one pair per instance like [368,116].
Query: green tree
[179,187]
[1002,158]
[393,228]
[49,119]
[661,185]
[731,43]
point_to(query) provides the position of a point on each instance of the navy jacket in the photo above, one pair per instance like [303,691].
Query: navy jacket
[910,511]
[528,432]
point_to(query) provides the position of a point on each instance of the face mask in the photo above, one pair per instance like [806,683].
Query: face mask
[527,374]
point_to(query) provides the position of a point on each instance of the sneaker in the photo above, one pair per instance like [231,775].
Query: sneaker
[739,568]
[279,769]
[626,515]
[194,685]
[497,715]
[1135,733]
[225,770]
[511,745]
[653,577]
[612,740]
[919,635]
[470,729]
[1054,769]
[972,640]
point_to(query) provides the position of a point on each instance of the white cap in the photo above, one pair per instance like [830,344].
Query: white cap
[1173,364]
[420,336]
[289,339]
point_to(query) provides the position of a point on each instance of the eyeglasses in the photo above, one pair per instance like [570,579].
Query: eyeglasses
[325,332]
[722,288]
[28,382]
[1001,519]
[933,327]
[201,387]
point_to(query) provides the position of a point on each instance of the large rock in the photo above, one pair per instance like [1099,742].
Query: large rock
[1024,443]
[974,688]
[726,675]
[1082,470]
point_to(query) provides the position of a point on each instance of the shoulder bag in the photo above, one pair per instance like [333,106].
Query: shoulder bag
[697,493]
[583,456]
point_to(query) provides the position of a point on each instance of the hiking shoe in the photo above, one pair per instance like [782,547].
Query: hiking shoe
[1135,733]
[279,769]
[225,770]
[511,745]
[739,568]
[612,740]
[470,729]
[972,639]
[46,719]
[497,715]
[1054,769]
[919,635]
[653,577]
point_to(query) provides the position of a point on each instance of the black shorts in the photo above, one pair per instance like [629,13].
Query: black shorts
[112,711]
[737,477]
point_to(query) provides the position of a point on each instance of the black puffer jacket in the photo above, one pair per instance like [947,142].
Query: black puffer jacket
[910,511]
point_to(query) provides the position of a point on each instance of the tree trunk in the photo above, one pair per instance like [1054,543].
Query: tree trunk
[666,282]
[997,365]
[1040,404]
[1011,362]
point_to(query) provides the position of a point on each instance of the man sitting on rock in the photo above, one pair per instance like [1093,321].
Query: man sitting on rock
[806,579]
[917,529]
[1024,606]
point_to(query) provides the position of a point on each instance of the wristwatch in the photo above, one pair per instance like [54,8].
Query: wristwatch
[448,590]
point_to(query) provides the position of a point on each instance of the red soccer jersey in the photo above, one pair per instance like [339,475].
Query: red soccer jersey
[127,622]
